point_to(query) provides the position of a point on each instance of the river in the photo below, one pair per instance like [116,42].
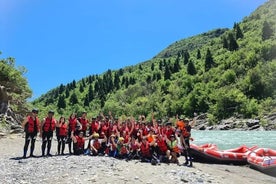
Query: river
[233,139]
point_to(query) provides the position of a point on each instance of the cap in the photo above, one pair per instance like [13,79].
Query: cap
[35,110]
[186,120]
[96,135]
[121,139]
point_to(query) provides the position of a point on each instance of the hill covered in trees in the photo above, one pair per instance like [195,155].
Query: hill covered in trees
[223,72]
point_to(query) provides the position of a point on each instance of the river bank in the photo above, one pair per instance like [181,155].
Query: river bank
[83,169]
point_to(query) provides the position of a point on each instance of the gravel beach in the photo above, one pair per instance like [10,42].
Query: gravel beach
[87,169]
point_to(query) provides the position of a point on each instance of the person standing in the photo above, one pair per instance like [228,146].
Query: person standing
[47,129]
[61,135]
[31,128]
[84,123]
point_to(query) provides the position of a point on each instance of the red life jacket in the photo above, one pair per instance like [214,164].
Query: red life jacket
[63,129]
[49,125]
[145,150]
[169,132]
[123,150]
[32,125]
[94,127]
[97,144]
[72,124]
[162,145]
[84,123]
[80,142]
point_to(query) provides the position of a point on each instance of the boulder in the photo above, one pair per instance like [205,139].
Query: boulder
[252,122]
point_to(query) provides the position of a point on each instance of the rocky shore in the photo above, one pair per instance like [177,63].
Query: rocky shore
[87,169]
[266,123]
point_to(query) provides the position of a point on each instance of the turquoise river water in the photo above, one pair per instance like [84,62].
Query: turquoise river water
[233,139]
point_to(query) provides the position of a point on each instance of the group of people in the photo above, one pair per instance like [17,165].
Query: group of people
[153,142]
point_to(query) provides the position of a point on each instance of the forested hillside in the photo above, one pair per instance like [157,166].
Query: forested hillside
[223,72]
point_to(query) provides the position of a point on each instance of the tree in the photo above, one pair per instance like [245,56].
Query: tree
[61,102]
[198,55]
[267,31]
[225,43]
[73,99]
[186,57]
[233,45]
[176,66]
[191,68]
[61,88]
[90,95]
[238,31]
[67,92]
[152,66]
[209,62]
[81,88]
[167,74]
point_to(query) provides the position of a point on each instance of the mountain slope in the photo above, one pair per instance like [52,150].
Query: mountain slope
[223,72]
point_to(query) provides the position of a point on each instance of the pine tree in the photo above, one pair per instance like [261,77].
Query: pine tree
[209,62]
[61,102]
[61,88]
[74,84]
[167,74]
[198,55]
[267,31]
[86,101]
[176,66]
[67,92]
[116,81]
[73,99]
[238,31]
[81,89]
[233,45]
[90,94]
[191,68]
[152,66]
[225,43]
[186,57]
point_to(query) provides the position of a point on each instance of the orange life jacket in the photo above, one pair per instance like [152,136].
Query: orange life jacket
[49,125]
[32,125]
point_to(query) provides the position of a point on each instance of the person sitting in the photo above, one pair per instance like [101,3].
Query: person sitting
[79,142]
[145,151]
[173,149]
[96,147]
[121,149]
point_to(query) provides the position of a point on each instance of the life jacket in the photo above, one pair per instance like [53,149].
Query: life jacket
[97,144]
[162,145]
[94,127]
[49,125]
[134,146]
[80,142]
[150,138]
[186,131]
[72,124]
[32,125]
[145,150]
[63,129]
[173,146]
[123,150]
[84,123]
[169,132]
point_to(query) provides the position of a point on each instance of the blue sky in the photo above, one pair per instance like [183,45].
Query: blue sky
[58,41]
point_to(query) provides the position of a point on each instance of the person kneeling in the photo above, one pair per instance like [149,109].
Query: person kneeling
[96,147]
[79,142]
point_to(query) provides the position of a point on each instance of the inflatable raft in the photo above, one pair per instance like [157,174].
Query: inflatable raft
[264,160]
[209,153]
